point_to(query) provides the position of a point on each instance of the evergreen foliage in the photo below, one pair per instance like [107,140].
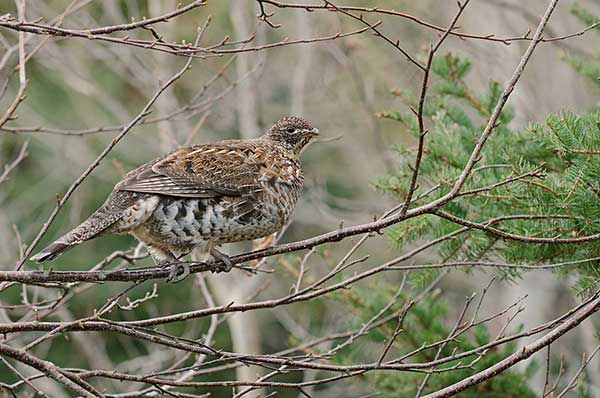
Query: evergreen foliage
[426,322]
[559,157]
[548,170]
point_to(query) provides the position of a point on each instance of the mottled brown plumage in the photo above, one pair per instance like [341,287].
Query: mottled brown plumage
[203,196]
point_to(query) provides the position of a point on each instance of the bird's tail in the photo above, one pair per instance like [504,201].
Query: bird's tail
[89,229]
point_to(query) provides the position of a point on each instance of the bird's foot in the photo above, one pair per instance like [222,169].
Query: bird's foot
[179,270]
[225,264]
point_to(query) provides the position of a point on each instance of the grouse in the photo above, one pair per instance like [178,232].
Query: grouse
[203,196]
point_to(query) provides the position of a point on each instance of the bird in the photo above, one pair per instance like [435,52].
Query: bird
[202,196]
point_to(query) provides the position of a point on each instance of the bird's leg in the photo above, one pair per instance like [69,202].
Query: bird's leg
[225,265]
[179,270]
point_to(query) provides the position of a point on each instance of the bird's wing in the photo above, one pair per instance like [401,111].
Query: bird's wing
[203,171]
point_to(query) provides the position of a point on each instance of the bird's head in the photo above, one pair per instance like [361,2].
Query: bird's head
[292,132]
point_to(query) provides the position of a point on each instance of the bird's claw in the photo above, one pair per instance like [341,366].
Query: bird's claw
[179,270]
[225,264]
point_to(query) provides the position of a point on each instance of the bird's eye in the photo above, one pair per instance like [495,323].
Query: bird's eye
[290,130]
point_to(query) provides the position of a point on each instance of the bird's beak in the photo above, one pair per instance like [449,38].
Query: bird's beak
[313,132]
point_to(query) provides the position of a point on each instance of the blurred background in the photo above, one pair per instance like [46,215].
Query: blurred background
[76,86]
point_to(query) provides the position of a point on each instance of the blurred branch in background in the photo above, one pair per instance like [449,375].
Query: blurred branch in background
[371,304]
